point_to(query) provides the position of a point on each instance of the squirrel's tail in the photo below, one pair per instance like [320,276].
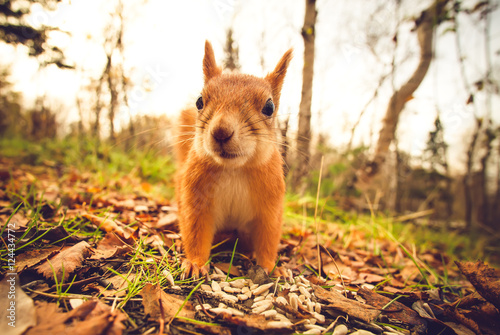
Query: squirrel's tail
[185,130]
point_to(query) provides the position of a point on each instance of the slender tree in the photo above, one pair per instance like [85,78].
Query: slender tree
[304,128]
[231,51]
[424,26]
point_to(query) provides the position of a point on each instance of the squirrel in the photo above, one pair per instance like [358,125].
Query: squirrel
[230,173]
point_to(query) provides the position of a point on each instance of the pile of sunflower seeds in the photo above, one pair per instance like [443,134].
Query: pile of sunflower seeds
[261,300]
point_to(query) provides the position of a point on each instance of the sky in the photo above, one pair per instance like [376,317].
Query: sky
[164,43]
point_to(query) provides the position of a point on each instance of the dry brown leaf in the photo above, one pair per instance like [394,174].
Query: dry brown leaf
[16,221]
[159,304]
[371,278]
[17,310]
[165,221]
[92,317]
[110,246]
[109,225]
[395,310]
[255,321]
[66,261]
[119,283]
[484,278]
[224,267]
[32,257]
[352,308]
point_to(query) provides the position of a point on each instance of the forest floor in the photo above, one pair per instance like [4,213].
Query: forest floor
[90,246]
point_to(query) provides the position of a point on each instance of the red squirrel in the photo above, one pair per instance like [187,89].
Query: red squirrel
[230,173]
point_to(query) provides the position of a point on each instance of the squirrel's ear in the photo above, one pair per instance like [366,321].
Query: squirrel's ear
[210,68]
[277,77]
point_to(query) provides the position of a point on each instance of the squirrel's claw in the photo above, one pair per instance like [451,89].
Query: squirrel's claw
[192,270]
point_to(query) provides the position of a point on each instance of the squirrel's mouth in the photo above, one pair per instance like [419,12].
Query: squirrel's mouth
[227,155]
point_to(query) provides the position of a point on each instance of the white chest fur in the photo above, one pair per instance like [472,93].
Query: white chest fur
[232,204]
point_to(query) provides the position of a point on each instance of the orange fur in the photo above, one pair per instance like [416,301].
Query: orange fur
[230,174]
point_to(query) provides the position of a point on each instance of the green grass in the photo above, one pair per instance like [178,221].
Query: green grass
[117,170]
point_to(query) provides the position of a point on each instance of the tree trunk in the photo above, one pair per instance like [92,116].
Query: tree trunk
[113,98]
[468,176]
[284,144]
[425,26]
[304,130]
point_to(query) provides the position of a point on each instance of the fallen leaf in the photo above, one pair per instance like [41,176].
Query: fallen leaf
[371,278]
[224,267]
[16,221]
[66,261]
[255,321]
[32,257]
[159,304]
[55,234]
[395,310]
[17,310]
[119,283]
[340,303]
[92,317]
[110,246]
[165,221]
[484,278]
[109,225]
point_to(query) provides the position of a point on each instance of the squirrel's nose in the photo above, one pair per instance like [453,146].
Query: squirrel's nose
[222,135]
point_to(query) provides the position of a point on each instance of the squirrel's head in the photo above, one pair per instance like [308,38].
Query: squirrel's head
[236,122]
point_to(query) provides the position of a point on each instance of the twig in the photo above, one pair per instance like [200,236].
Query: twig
[315,214]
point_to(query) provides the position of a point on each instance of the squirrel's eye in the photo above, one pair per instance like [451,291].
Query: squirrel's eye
[268,109]
[199,103]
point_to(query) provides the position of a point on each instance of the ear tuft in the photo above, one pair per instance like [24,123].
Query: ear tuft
[277,77]
[210,68]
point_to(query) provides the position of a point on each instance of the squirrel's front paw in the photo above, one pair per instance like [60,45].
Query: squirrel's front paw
[191,269]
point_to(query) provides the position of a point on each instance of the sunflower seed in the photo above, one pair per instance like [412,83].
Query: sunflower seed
[236,312]
[304,280]
[310,306]
[294,300]
[169,277]
[340,330]
[230,289]
[219,271]
[261,309]
[253,286]
[309,326]
[260,298]
[262,303]
[216,287]
[261,289]
[294,288]
[278,324]
[319,317]
[362,332]
[270,313]
[206,288]
[230,297]
[219,310]
[305,292]
[238,283]
[317,307]
[223,284]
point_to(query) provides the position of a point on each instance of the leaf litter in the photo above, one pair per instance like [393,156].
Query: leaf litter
[94,261]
